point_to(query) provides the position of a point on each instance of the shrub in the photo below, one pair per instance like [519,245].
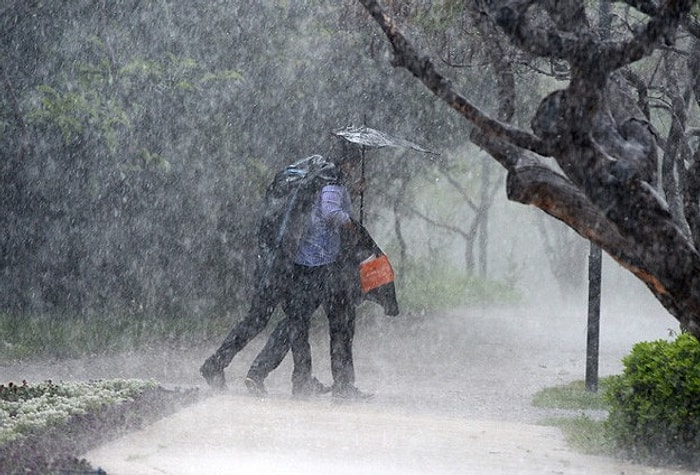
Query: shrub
[44,427]
[28,408]
[655,403]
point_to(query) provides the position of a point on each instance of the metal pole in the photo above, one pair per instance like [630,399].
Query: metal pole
[592,344]
[595,262]
[362,176]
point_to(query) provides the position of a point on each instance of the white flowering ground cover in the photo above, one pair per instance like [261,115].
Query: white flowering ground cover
[43,426]
[25,409]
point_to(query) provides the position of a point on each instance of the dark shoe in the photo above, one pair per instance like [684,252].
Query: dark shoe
[350,392]
[213,375]
[255,387]
[313,387]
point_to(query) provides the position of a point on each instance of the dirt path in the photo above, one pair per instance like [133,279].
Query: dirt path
[453,395]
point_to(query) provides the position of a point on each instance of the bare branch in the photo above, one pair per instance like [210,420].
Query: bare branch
[438,224]
[460,189]
[580,46]
[692,26]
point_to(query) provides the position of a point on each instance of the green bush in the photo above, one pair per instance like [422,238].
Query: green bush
[655,403]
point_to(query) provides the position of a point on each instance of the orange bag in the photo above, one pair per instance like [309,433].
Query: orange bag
[375,271]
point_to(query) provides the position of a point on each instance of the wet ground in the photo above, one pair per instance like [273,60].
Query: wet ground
[453,394]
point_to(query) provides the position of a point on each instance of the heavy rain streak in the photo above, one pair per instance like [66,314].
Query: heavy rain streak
[181,182]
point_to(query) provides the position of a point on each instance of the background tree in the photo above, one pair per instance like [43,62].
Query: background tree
[566,255]
[470,222]
[604,179]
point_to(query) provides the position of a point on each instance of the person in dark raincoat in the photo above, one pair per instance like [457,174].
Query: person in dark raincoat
[336,286]
[314,278]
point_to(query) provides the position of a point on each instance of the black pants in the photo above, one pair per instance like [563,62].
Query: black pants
[311,287]
[269,292]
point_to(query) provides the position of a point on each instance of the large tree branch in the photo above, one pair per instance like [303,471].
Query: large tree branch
[648,7]
[531,182]
[694,68]
[422,68]
[512,16]
[538,185]
[500,59]
[577,44]
[691,197]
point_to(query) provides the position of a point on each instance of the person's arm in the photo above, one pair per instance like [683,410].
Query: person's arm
[332,209]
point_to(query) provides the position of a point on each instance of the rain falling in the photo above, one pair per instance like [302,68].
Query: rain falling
[493,147]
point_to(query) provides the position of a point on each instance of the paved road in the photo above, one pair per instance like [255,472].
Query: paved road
[236,435]
[453,395]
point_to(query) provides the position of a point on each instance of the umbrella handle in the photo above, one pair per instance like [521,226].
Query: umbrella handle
[362,181]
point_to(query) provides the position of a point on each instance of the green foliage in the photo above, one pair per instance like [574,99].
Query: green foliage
[224,75]
[142,136]
[28,337]
[433,285]
[150,159]
[83,102]
[695,12]
[586,434]
[655,403]
[62,109]
[94,97]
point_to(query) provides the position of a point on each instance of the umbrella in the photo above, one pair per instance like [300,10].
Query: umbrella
[368,137]
[374,138]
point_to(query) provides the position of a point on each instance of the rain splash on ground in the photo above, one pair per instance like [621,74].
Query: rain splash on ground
[453,394]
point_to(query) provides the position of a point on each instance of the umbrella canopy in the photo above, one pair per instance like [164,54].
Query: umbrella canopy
[374,138]
[368,137]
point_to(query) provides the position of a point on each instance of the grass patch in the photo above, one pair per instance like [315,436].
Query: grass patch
[27,337]
[573,396]
[582,432]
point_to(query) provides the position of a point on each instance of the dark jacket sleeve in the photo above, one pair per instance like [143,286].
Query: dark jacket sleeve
[358,245]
